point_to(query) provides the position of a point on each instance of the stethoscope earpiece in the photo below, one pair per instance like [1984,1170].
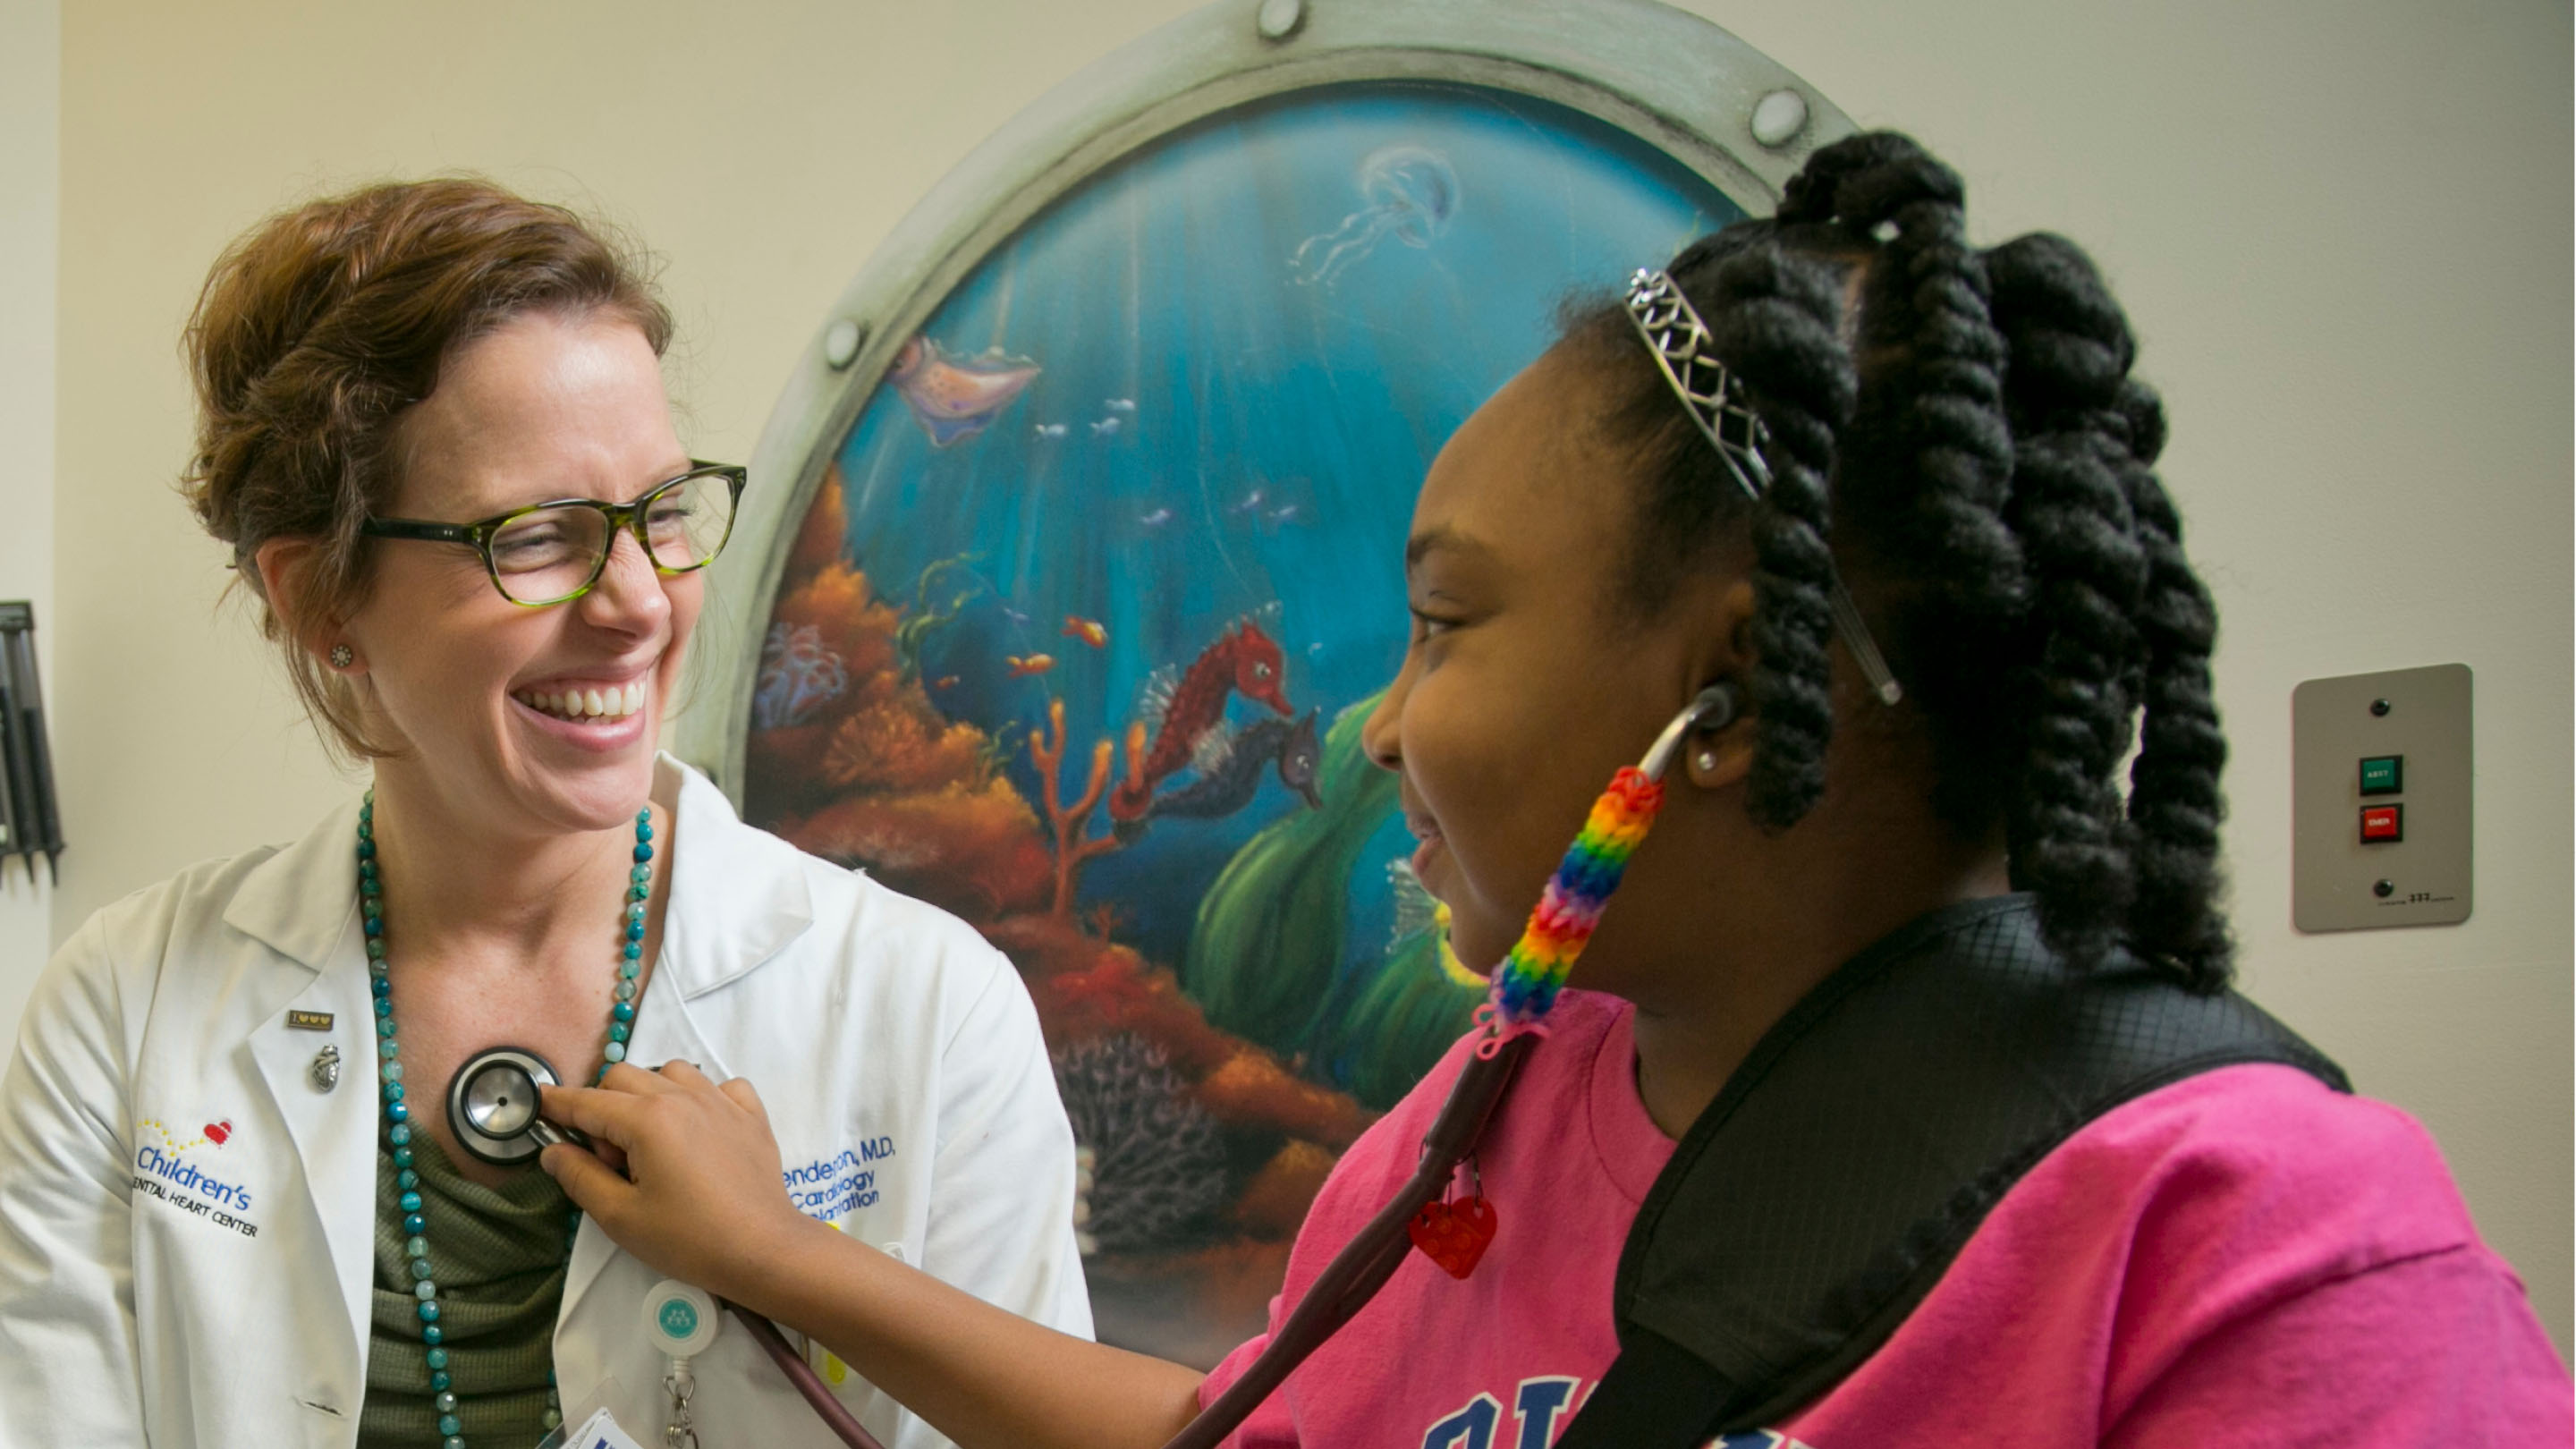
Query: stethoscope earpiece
[1717,706]
[492,1104]
[1713,708]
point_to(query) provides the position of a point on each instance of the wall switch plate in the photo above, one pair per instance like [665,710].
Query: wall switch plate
[2340,881]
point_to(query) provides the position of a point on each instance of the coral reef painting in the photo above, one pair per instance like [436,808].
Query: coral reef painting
[1078,635]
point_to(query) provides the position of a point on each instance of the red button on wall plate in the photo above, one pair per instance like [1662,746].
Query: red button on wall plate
[2383,824]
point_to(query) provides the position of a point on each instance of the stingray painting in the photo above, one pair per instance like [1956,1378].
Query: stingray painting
[956,400]
[1410,193]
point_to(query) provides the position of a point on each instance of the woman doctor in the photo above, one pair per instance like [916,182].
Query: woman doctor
[232,1212]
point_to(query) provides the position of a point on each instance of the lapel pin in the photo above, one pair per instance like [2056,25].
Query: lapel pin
[326,1069]
[309,1020]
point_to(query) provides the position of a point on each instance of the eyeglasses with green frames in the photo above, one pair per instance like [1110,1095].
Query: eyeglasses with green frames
[551,553]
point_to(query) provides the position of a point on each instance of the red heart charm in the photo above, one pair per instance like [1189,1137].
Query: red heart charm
[1454,1234]
[216,1132]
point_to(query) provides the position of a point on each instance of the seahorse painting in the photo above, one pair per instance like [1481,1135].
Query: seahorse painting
[1229,767]
[1244,660]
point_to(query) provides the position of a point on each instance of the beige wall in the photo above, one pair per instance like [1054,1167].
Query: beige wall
[30,76]
[2342,227]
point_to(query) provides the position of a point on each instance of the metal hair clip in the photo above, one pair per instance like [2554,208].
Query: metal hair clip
[1714,397]
[1683,348]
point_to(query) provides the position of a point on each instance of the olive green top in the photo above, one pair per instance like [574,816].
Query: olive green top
[498,1257]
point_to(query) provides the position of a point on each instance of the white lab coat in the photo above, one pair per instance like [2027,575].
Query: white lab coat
[159,1287]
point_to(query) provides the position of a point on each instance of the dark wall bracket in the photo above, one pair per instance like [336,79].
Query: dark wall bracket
[31,822]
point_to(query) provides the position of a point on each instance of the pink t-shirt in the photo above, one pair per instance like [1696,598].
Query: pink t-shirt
[2244,1258]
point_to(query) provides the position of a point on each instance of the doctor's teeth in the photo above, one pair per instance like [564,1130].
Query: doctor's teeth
[612,702]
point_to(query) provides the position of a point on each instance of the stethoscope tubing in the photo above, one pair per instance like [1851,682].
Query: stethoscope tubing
[834,1414]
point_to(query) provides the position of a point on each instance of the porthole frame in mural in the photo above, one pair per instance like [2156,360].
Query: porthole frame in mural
[1676,82]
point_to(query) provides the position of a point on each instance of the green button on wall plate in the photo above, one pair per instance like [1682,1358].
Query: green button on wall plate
[2409,732]
[2383,775]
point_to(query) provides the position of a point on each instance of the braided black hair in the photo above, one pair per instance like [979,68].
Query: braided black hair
[1773,310]
[1968,422]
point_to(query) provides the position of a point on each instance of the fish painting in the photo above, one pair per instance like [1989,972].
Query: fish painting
[1089,631]
[1051,431]
[1244,660]
[1028,666]
[1155,519]
[954,400]
[1120,405]
[1251,502]
[1106,427]
[799,674]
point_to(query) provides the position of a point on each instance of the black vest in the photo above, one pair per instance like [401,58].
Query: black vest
[1828,1187]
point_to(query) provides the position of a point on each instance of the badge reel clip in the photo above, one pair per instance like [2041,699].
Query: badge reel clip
[492,1105]
[681,1321]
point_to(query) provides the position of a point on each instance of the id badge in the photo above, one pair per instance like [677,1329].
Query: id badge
[599,1431]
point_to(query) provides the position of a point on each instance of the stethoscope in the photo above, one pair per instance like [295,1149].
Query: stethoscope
[492,1108]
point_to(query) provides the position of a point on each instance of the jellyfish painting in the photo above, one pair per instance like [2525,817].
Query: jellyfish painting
[954,400]
[1411,194]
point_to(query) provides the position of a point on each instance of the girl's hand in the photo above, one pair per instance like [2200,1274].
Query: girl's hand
[702,1198]
[707,1205]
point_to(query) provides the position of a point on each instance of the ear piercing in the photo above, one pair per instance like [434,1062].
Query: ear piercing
[342,656]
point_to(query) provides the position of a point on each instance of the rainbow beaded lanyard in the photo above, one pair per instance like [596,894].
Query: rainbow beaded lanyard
[1525,986]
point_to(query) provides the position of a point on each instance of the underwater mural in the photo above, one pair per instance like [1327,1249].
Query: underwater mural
[1077,637]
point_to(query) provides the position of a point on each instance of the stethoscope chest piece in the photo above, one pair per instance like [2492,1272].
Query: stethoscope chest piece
[492,1104]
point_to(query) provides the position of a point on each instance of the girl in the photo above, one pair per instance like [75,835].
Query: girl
[1890,498]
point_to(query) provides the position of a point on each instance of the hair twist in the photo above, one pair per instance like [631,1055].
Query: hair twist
[2175,806]
[2071,506]
[1930,450]
[1774,324]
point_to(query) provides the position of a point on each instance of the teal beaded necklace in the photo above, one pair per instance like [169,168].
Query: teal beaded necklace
[630,965]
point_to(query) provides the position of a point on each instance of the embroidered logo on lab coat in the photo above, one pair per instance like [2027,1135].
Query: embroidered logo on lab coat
[178,1170]
[833,1187]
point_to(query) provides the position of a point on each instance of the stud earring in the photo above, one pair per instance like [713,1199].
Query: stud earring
[342,656]
[1707,761]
